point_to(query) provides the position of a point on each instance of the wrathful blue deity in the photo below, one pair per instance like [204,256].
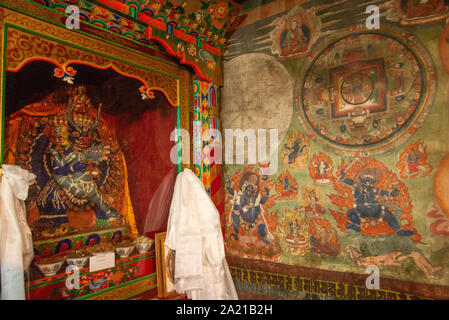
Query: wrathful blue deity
[367,207]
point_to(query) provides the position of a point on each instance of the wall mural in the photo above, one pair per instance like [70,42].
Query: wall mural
[363,166]
[250,223]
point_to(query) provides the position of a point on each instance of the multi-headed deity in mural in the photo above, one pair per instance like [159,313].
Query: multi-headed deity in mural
[413,161]
[379,215]
[248,223]
[296,150]
[77,163]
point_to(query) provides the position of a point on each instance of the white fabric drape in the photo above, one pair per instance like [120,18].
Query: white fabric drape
[194,232]
[16,244]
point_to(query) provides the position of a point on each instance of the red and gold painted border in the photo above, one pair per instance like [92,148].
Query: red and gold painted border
[26,39]
[23,48]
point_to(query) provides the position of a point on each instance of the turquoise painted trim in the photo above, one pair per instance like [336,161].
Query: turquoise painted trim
[137,4]
[101,22]
[130,34]
[161,17]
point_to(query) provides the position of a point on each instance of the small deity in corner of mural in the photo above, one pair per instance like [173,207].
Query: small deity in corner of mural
[295,151]
[295,33]
[311,202]
[413,161]
[295,232]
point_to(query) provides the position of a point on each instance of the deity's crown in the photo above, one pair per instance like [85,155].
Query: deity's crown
[78,115]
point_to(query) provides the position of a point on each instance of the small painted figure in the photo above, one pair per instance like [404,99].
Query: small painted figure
[420,8]
[413,161]
[322,241]
[295,230]
[366,206]
[296,150]
[321,172]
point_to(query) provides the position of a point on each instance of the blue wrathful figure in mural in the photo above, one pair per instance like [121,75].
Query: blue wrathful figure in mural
[366,206]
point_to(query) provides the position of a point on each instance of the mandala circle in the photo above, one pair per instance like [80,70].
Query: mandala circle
[366,91]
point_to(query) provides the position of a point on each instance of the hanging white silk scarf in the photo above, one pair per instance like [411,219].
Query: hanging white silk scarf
[16,244]
[194,232]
